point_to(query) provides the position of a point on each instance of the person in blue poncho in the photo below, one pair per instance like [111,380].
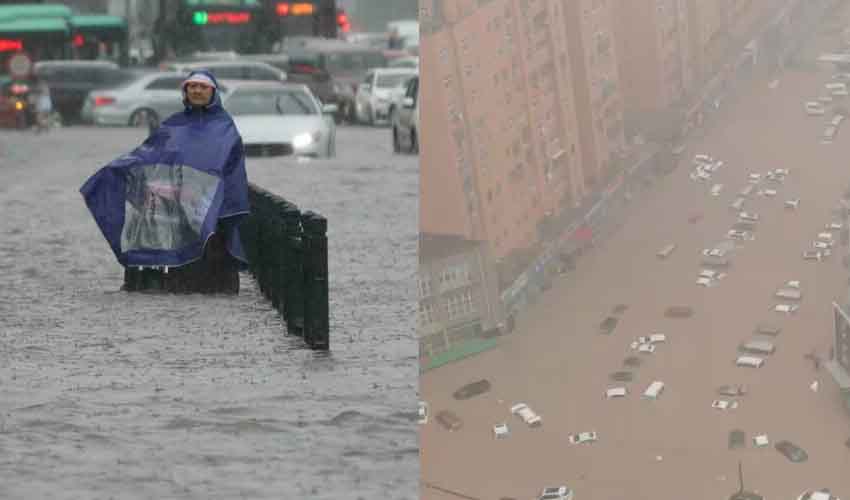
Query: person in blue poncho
[174,204]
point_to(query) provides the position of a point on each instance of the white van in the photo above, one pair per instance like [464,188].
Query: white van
[757,347]
[749,361]
[837,89]
[654,390]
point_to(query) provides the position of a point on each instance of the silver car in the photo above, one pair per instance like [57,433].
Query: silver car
[281,119]
[150,98]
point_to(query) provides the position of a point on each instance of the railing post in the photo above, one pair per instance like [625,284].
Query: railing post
[316,313]
[293,297]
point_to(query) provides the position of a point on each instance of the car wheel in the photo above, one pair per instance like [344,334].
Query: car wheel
[414,142]
[143,118]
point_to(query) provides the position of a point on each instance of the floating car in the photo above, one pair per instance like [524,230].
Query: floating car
[713,252]
[791,451]
[526,414]
[616,392]
[739,235]
[722,404]
[583,437]
[822,494]
[732,390]
[813,255]
[423,412]
[556,493]
[786,308]
[449,420]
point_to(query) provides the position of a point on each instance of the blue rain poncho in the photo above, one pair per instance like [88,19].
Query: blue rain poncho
[159,204]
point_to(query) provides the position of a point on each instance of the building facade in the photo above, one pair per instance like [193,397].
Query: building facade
[504,147]
[655,57]
[458,296]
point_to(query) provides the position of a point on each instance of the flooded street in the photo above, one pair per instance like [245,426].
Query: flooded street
[678,445]
[109,395]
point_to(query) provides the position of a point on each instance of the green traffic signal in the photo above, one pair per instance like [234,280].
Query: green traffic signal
[200,17]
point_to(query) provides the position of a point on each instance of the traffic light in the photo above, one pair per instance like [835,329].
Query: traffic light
[342,21]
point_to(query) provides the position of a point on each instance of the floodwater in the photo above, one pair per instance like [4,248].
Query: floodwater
[676,446]
[110,395]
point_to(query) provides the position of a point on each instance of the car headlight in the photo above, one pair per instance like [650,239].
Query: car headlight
[306,139]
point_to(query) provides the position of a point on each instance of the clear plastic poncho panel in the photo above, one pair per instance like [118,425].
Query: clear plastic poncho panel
[165,206]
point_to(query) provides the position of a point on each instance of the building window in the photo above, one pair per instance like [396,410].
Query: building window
[454,277]
[426,314]
[459,304]
[424,287]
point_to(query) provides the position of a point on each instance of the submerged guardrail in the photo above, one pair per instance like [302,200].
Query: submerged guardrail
[287,252]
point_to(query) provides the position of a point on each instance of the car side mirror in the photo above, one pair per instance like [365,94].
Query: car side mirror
[408,102]
[330,109]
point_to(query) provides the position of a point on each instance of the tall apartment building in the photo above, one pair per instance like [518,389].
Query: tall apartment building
[655,57]
[504,116]
[589,27]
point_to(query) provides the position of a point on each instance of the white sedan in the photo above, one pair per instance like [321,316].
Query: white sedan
[713,252]
[526,414]
[822,494]
[786,308]
[583,437]
[722,404]
[834,226]
[501,430]
[281,119]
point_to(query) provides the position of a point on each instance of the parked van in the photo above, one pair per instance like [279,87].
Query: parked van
[666,251]
[749,361]
[757,347]
[837,89]
[654,390]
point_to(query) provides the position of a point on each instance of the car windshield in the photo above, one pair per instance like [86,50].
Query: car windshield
[271,102]
[387,81]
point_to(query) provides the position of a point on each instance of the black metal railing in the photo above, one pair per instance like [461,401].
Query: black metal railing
[287,252]
[288,255]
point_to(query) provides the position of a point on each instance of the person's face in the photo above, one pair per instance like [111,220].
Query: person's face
[199,94]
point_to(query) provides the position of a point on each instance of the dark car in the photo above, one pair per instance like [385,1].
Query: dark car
[71,81]
[346,63]
[449,420]
[791,451]
[737,439]
[473,389]
[318,80]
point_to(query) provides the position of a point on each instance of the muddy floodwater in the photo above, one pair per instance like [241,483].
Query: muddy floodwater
[110,395]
